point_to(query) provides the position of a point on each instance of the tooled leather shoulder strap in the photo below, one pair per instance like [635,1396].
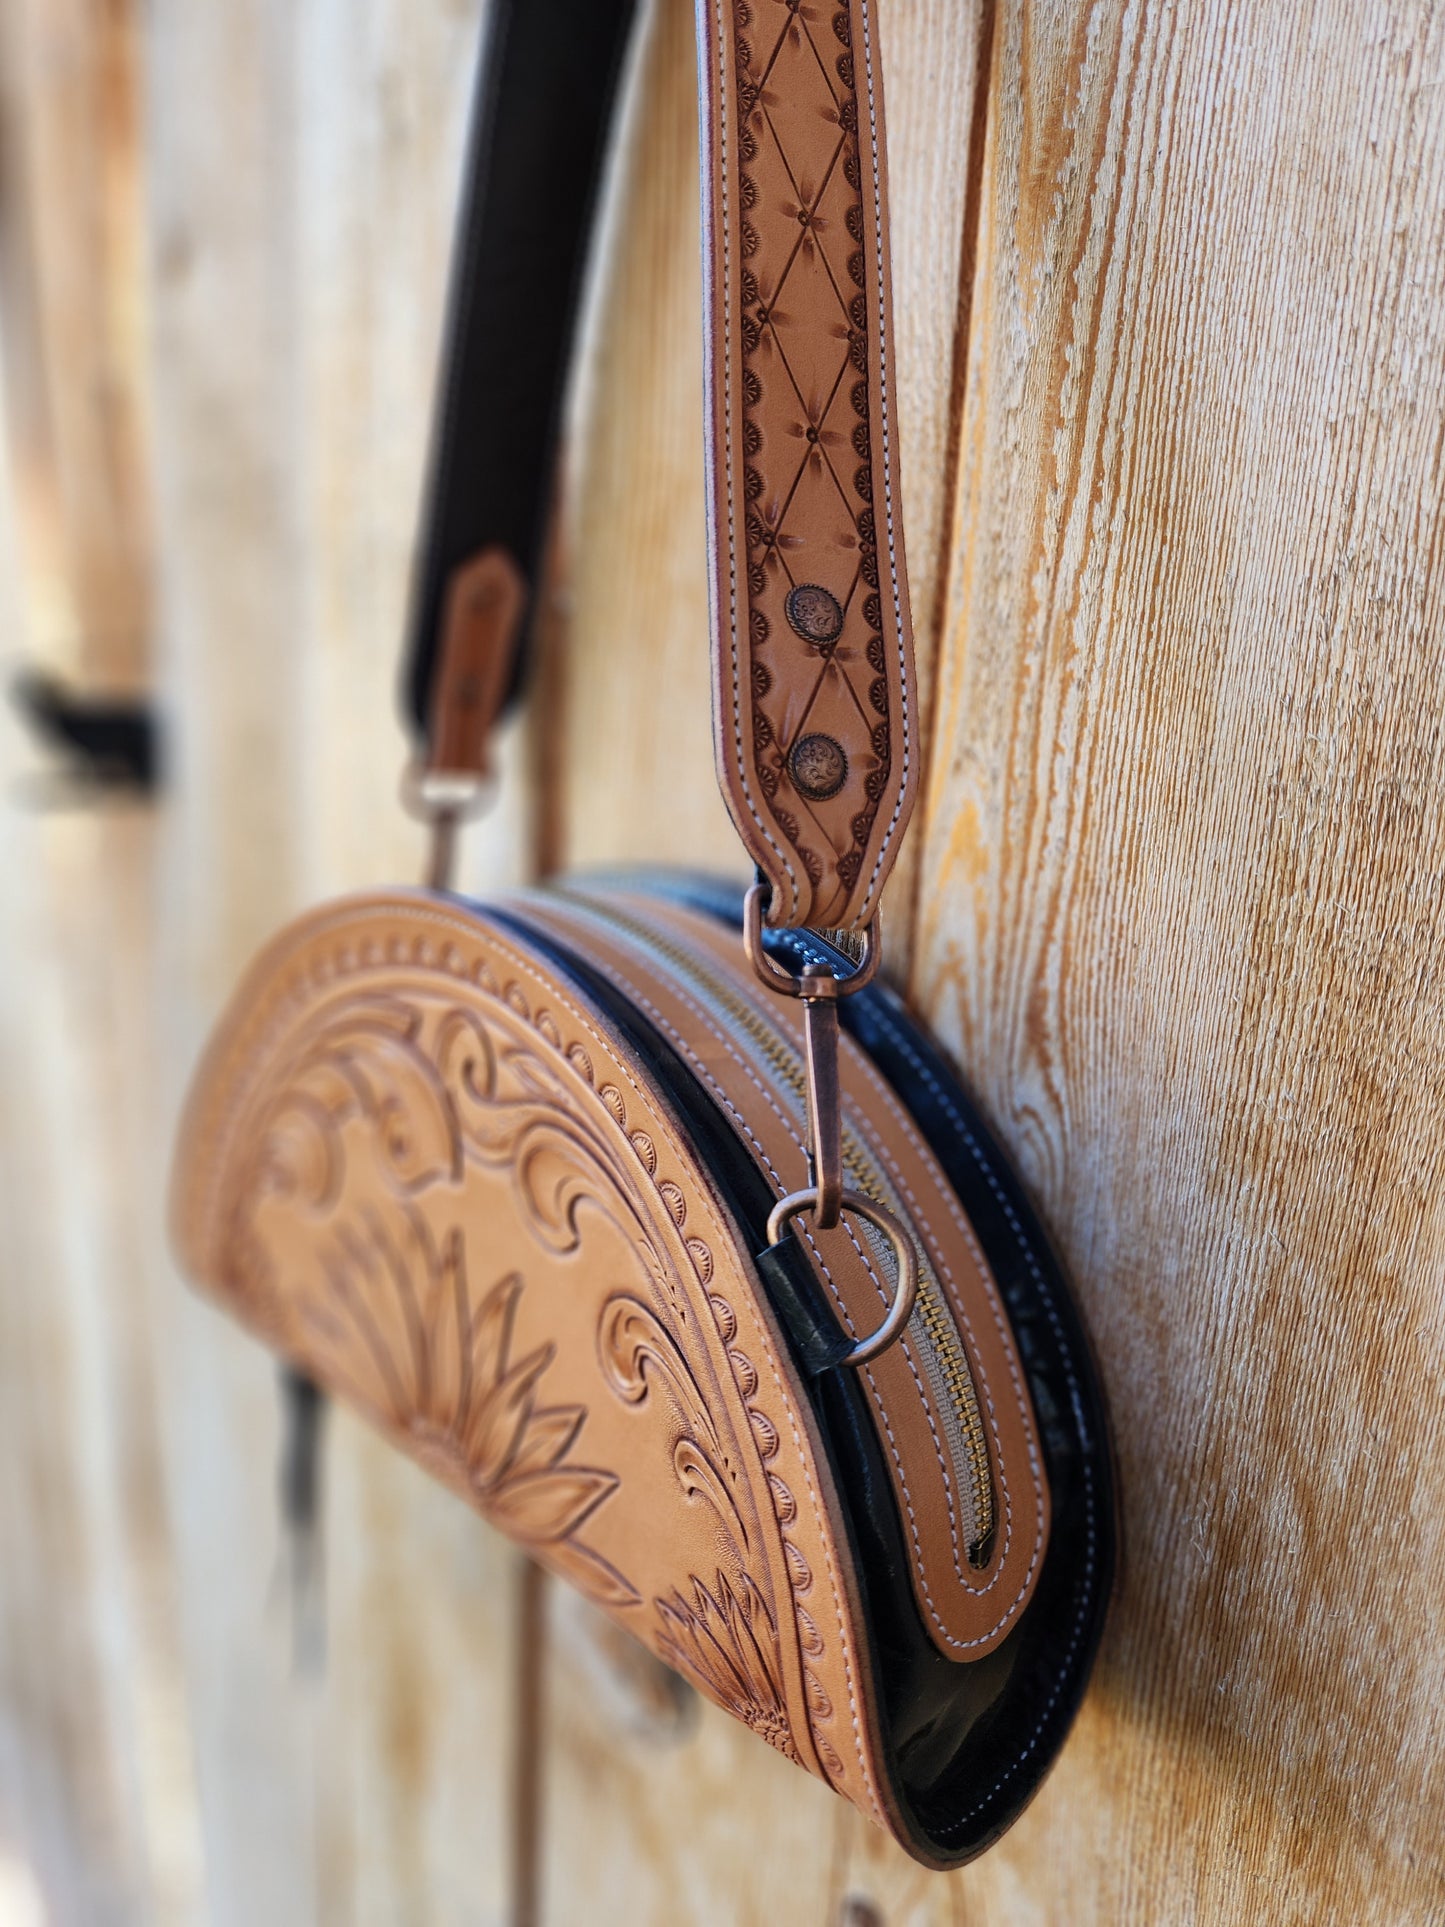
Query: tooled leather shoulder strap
[816,743]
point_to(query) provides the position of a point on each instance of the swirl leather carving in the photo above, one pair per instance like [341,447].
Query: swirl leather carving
[725,1640]
[636,1349]
[443,1202]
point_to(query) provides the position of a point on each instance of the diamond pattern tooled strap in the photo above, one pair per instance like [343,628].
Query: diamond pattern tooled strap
[817,748]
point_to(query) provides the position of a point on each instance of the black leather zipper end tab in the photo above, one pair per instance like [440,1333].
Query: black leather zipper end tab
[793,1292]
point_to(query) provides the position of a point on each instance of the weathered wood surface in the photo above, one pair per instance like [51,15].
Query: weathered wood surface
[1179,909]
[71,241]
[303,174]
[1171,300]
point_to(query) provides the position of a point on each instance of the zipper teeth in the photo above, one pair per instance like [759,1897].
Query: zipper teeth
[946,1363]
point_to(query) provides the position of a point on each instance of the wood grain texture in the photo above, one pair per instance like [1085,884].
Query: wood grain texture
[71,245]
[936,114]
[1177,913]
[1170,319]
[98,1817]
[635,704]
[305,169]
[97,1796]
[644,1828]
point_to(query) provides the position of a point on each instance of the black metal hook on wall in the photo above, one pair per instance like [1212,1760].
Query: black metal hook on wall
[107,742]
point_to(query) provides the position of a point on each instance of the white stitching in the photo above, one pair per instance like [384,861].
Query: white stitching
[727,359]
[974,1591]
[581,908]
[880,268]
[965,1229]
[905,1045]
[722,1097]
[919,1564]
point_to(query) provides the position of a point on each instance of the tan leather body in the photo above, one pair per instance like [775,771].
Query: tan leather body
[419,1162]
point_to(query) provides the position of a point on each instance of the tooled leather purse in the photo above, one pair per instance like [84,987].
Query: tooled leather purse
[647,1218]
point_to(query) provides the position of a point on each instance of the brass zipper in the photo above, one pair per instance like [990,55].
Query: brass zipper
[931,1329]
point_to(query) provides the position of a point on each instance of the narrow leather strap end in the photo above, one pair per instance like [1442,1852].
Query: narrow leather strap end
[486,600]
[816,740]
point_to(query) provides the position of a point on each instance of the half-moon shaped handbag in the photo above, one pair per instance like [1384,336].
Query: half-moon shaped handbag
[641,1212]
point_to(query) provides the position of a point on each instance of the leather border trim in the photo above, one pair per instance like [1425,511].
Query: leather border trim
[1010,1713]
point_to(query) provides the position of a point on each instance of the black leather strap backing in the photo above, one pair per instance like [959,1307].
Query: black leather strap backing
[546,88]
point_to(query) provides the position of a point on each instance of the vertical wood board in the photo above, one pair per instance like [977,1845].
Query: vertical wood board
[1178,909]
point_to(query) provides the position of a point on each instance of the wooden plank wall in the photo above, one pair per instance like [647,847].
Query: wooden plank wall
[1173,341]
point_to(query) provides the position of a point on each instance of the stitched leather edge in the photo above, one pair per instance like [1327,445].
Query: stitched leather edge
[805,889]
[1035,1485]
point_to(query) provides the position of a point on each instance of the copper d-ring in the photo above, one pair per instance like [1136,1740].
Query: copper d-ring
[771,973]
[904,1250]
